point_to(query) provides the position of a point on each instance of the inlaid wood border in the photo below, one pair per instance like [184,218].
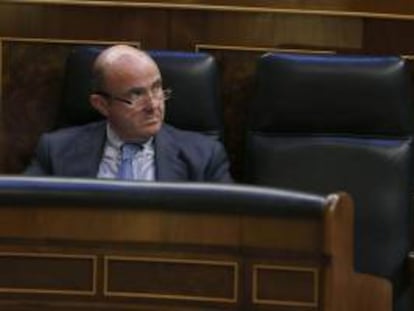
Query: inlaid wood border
[237,48]
[255,286]
[182,5]
[56,256]
[231,264]
[199,47]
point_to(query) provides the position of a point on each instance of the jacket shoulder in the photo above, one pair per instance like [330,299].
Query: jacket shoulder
[76,130]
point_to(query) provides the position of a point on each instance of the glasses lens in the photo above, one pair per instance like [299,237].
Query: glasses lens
[166,94]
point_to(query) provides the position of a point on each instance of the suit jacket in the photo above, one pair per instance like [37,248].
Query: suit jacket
[179,155]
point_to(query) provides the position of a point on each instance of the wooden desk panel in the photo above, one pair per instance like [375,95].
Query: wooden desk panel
[87,258]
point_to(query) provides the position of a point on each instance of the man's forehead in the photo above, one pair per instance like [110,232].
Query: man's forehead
[156,82]
[116,56]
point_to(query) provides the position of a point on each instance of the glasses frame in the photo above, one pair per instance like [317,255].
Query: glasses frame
[166,95]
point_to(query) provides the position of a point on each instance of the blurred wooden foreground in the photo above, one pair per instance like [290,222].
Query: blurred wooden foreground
[72,246]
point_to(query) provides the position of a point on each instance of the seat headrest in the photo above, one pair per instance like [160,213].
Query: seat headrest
[332,94]
[193,78]
[75,108]
[195,102]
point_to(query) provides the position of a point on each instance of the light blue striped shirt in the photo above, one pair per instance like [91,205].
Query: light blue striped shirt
[143,163]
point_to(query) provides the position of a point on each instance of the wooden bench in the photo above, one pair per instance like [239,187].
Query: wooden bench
[72,244]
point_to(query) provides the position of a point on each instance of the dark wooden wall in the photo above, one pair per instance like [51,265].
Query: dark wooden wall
[236,32]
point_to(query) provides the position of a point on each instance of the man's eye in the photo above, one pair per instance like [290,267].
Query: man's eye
[137,94]
[135,98]
[156,88]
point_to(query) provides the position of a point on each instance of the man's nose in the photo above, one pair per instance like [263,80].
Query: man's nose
[151,100]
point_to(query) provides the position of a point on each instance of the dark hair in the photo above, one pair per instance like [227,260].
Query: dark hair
[97,79]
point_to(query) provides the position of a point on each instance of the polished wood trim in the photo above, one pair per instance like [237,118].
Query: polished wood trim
[255,286]
[237,48]
[339,242]
[344,285]
[66,41]
[183,5]
[200,46]
[230,264]
[1,82]
[93,258]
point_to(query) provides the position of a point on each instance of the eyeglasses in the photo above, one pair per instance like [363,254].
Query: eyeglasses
[138,96]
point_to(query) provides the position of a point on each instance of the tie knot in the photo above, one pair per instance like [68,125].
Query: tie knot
[129,150]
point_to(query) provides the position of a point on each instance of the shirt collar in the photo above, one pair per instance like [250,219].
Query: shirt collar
[114,140]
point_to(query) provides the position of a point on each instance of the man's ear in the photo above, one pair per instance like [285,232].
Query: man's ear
[99,104]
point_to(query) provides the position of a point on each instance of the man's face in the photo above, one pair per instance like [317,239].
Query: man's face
[135,105]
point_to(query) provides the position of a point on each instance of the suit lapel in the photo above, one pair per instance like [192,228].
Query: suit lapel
[82,160]
[170,162]
[85,155]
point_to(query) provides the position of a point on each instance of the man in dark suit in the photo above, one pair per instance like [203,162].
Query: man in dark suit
[127,90]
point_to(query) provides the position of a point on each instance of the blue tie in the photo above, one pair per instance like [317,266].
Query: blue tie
[128,152]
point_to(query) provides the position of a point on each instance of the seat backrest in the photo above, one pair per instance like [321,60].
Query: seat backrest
[320,123]
[193,78]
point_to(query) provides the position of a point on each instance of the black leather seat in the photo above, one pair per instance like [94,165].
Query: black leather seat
[323,123]
[193,77]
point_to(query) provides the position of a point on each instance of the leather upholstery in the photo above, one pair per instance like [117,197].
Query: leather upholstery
[195,102]
[201,197]
[329,123]
[75,108]
[193,77]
